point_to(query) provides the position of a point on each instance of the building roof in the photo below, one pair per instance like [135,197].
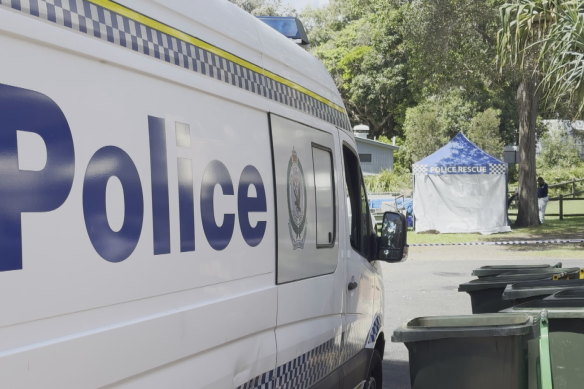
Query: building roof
[376,143]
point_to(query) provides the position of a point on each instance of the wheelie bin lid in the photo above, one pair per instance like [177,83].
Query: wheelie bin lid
[568,303]
[559,310]
[502,280]
[464,326]
[573,293]
[494,270]
[539,288]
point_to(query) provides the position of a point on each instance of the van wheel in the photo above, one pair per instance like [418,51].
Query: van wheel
[375,379]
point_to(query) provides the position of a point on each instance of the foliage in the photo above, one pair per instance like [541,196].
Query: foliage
[360,44]
[423,131]
[431,124]
[484,132]
[558,151]
[451,44]
[394,181]
[523,25]
[562,58]
[556,175]
[546,39]
[265,7]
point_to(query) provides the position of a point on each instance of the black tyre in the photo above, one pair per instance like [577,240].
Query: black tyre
[375,379]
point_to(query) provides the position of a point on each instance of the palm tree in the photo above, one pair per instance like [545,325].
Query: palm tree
[548,62]
[562,58]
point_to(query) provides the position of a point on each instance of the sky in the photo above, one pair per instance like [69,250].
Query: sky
[301,4]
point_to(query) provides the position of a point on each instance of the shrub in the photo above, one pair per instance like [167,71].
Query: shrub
[558,150]
[558,175]
[395,181]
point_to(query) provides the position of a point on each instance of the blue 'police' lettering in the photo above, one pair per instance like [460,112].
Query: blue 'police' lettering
[216,174]
[47,189]
[186,205]
[107,162]
[159,177]
[30,191]
[246,205]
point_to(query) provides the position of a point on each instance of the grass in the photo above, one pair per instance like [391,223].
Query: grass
[572,227]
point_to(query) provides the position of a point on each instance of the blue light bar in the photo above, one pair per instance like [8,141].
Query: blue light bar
[288,26]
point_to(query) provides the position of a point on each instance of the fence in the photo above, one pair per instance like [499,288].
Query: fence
[562,198]
[572,185]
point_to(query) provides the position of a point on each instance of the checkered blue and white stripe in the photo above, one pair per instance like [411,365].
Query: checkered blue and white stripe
[372,337]
[301,372]
[101,23]
[420,169]
[493,169]
[497,168]
[309,368]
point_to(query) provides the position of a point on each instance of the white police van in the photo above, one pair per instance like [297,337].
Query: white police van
[181,205]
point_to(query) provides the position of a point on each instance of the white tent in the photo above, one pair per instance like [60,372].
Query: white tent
[460,188]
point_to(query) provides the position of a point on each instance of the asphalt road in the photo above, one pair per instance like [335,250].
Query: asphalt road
[427,285]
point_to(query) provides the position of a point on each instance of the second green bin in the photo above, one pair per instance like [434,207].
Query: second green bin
[486,294]
[565,312]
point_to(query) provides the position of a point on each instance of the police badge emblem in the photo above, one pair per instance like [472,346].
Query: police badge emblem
[296,202]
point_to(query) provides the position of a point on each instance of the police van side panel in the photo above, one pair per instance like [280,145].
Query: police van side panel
[180,306]
[142,239]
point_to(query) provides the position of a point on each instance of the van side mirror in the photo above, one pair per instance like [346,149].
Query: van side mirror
[392,244]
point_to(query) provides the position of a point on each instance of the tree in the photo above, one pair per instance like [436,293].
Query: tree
[432,123]
[451,44]
[360,44]
[265,7]
[558,151]
[424,132]
[562,59]
[531,27]
[484,132]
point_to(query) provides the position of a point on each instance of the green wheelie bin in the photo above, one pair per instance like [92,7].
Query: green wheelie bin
[468,352]
[533,290]
[565,314]
[496,270]
[486,293]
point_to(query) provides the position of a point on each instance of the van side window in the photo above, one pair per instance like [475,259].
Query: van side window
[360,219]
[324,196]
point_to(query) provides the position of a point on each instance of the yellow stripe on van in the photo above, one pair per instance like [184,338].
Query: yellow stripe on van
[166,29]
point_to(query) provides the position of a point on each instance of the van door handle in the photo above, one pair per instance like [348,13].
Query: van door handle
[353,285]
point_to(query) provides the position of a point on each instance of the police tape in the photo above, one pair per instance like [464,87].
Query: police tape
[502,243]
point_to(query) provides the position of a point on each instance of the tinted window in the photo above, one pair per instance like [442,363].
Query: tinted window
[359,216]
[324,196]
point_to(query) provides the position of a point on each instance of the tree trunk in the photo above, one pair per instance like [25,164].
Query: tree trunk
[527,213]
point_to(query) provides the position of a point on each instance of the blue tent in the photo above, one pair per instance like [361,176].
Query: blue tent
[460,188]
[460,156]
